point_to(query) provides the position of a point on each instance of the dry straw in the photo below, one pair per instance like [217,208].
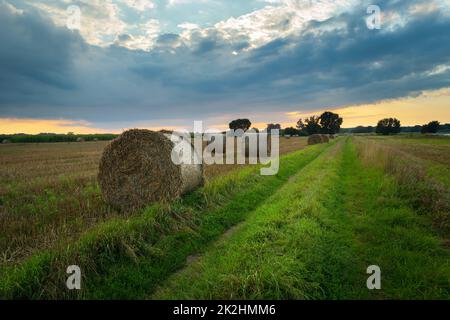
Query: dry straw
[314,139]
[136,169]
[325,138]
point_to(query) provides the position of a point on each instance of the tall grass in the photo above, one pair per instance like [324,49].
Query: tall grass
[424,192]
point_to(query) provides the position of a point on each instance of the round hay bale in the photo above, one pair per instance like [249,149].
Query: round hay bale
[6,141]
[80,139]
[325,138]
[314,139]
[136,169]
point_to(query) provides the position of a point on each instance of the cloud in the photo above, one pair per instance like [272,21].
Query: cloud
[34,54]
[244,65]
[140,5]
[171,3]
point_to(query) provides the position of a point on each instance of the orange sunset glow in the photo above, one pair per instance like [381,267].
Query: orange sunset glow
[429,106]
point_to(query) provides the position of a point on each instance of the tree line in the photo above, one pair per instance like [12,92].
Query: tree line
[53,137]
[327,123]
[392,126]
[330,123]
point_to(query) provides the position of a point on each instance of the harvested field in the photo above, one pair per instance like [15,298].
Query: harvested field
[49,191]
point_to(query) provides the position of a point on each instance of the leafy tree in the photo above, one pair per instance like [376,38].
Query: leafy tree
[330,122]
[424,129]
[291,131]
[309,125]
[431,127]
[243,124]
[388,126]
[273,126]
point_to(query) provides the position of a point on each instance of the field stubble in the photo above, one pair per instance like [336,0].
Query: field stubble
[49,192]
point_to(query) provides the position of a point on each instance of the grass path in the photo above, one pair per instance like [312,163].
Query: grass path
[314,239]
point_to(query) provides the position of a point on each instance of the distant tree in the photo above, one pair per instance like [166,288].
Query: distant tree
[431,127]
[445,128]
[273,126]
[330,122]
[361,129]
[291,131]
[256,130]
[424,129]
[388,126]
[309,125]
[243,124]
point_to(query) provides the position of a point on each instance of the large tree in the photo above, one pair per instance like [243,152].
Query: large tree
[291,131]
[243,124]
[388,126]
[330,122]
[431,127]
[309,125]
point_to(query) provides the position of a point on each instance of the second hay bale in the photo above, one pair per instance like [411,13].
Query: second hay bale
[314,139]
[136,169]
[325,138]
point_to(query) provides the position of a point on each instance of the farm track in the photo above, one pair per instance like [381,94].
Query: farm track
[315,238]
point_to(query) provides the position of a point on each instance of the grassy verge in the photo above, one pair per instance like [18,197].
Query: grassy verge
[315,238]
[424,183]
[126,257]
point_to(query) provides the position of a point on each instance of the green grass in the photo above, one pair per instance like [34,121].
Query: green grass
[126,258]
[415,139]
[316,236]
[422,172]
[309,232]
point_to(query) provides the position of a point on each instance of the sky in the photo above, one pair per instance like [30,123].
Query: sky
[106,66]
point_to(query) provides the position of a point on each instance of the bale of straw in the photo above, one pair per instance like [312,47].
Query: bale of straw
[6,141]
[136,169]
[314,139]
[325,138]
[80,139]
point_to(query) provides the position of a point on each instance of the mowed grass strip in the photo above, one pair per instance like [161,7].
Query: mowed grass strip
[315,238]
[127,257]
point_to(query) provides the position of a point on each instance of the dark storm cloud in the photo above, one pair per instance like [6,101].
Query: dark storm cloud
[50,72]
[34,54]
